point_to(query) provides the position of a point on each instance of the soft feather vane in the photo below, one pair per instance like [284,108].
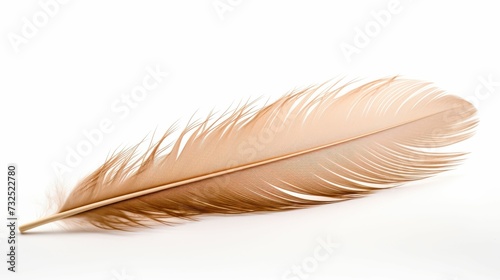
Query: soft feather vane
[307,148]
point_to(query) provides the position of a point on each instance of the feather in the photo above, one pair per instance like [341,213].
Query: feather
[314,146]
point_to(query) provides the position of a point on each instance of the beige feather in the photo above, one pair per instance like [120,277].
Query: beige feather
[307,148]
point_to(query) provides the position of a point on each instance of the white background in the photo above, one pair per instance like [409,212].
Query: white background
[65,78]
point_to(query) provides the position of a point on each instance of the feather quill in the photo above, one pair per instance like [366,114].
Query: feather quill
[314,146]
